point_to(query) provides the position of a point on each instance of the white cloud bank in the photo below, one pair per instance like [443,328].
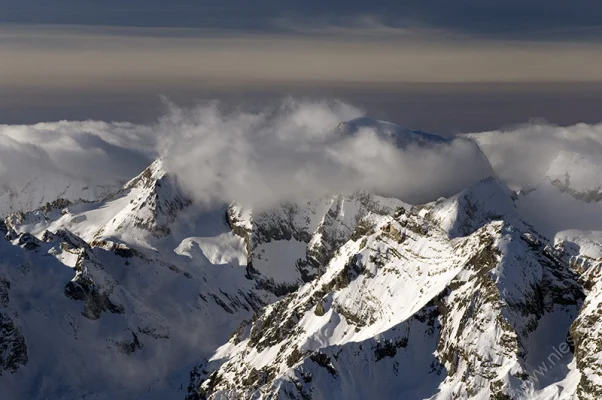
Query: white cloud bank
[94,151]
[522,155]
[68,159]
[294,152]
[290,151]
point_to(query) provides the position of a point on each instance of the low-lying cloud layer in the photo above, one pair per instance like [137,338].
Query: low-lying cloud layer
[289,151]
[90,151]
[521,155]
[295,152]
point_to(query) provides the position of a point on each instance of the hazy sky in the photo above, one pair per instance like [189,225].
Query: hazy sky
[79,59]
[504,18]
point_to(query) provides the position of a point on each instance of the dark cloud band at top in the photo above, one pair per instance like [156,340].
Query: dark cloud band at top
[541,19]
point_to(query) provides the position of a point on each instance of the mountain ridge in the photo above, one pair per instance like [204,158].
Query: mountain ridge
[343,297]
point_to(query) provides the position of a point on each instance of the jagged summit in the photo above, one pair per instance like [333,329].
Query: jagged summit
[149,176]
[489,200]
[146,205]
[160,200]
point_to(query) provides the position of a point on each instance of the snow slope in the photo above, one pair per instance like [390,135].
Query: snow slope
[136,288]
[128,308]
[408,309]
[140,292]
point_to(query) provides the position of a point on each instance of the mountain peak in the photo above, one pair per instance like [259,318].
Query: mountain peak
[401,136]
[146,178]
[349,296]
[467,211]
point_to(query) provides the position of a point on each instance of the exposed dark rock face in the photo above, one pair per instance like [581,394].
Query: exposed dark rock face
[130,346]
[13,348]
[57,204]
[96,301]
[28,241]
[593,195]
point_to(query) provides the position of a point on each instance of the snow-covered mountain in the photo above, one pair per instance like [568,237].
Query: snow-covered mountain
[414,306]
[401,136]
[146,276]
[142,292]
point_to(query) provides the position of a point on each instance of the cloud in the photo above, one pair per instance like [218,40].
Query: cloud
[362,26]
[68,158]
[522,155]
[285,151]
[534,153]
[293,151]
[288,151]
[500,18]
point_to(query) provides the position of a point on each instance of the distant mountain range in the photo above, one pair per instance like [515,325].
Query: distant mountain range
[132,290]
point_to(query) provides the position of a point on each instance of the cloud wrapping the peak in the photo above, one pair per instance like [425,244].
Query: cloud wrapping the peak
[293,151]
[69,159]
[289,151]
[523,154]
[85,150]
